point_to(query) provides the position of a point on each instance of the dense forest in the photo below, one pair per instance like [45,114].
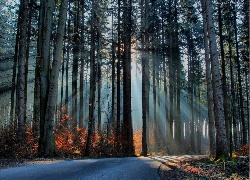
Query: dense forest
[102,78]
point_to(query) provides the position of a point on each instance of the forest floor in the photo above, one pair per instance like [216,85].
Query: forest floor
[201,167]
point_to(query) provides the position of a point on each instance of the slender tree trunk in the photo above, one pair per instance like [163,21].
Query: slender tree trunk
[154,99]
[223,72]
[244,122]
[145,79]
[99,85]
[81,116]
[112,122]
[118,114]
[67,64]
[21,106]
[170,74]
[13,85]
[62,109]
[178,83]
[233,109]
[92,81]
[75,66]
[164,76]
[128,148]
[192,128]
[30,11]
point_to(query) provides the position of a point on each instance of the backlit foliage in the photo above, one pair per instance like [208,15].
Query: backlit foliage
[72,143]
[138,142]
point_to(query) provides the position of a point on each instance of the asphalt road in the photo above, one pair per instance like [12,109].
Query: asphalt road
[131,168]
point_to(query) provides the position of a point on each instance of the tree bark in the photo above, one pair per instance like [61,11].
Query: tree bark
[13,82]
[92,80]
[53,86]
[223,72]
[145,78]
[76,41]
[21,106]
[244,122]
[221,137]
[45,17]
[81,116]
[128,148]
[118,112]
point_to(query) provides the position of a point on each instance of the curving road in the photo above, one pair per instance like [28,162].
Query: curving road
[131,168]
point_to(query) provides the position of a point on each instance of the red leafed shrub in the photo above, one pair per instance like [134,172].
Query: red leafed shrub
[12,147]
[67,141]
[245,150]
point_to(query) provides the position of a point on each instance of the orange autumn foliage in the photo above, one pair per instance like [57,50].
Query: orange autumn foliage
[138,142]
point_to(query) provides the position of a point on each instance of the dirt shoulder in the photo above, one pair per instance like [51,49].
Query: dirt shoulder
[195,167]
[8,163]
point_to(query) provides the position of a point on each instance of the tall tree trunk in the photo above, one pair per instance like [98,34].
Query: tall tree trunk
[75,65]
[53,86]
[145,78]
[67,63]
[81,117]
[21,106]
[164,75]
[118,114]
[13,82]
[192,128]
[92,80]
[170,74]
[112,122]
[244,122]
[99,86]
[128,148]
[62,109]
[233,109]
[223,71]
[211,121]
[46,15]
[221,137]
[178,130]
[30,11]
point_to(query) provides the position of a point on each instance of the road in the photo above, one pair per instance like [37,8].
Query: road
[131,168]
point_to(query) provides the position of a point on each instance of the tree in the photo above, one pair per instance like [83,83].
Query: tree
[145,75]
[119,54]
[23,26]
[128,148]
[82,67]
[238,64]
[223,70]
[76,41]
[53,85]
[221,138]
[209,89]
[92,79]
[43,63]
